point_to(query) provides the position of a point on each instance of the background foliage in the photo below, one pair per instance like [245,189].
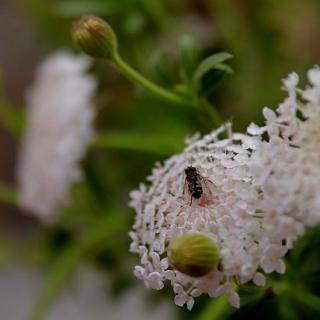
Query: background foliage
[165,40]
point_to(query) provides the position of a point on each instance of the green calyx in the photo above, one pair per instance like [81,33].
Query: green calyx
[95,37]
[194,254]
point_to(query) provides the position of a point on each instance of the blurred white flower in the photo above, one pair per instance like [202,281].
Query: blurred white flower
[86,296]
[263,189]
[58,130]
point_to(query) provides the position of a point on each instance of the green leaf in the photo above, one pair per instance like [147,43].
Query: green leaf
[188,55]
[309,300]
[210,73]
[12,119]
[164,68]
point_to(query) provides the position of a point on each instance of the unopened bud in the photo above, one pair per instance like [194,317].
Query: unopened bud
[95,37]
[194,254]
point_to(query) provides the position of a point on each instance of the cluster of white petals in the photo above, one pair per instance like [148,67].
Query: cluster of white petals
[264,191]
[287,162]
[58,130]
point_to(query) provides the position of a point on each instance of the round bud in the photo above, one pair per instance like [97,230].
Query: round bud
[95,37]
[194,254]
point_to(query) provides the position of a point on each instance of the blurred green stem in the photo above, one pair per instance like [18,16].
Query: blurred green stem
[214,310]
[158,144]
[136,77]
[7,194]
[67,261]
[212,113]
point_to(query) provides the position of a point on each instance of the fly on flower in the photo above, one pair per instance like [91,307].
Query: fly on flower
[198,187]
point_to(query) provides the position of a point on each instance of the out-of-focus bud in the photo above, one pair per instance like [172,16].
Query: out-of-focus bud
[95,37]
[194,254]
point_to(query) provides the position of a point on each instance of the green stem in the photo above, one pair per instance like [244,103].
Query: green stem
[8,194]
[67,261]
[136,77]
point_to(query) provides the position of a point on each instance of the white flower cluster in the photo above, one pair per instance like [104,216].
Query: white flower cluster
[262,190]
[58,131]
[287,165]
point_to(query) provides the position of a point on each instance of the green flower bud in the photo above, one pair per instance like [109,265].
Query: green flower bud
[194,254]
[95,37]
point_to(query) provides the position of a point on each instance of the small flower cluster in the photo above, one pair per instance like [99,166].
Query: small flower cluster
[287,163]
[59,129]
[259,193]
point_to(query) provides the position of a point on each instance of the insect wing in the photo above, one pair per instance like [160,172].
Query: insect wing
[209,192]
[186,192]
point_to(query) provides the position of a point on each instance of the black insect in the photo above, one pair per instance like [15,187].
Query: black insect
[197,185]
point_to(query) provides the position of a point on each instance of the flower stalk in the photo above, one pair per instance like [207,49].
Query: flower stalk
[158,91]
[96,38]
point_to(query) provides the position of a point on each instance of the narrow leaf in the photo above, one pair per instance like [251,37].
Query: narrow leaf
[309,300]
[188,56]
[210,72]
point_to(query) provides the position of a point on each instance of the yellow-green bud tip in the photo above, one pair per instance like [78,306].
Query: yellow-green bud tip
[194,254]
[95,37]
